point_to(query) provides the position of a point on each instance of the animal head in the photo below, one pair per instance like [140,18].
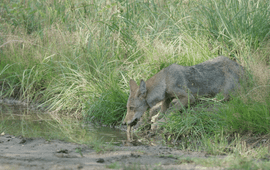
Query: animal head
[137,103]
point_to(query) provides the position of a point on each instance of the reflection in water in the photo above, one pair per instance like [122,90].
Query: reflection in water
[108,134]
[16,114]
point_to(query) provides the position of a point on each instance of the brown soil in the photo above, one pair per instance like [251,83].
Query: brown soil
[24,153]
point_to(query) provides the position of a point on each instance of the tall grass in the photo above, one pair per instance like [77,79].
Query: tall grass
[234,22]
[76,57]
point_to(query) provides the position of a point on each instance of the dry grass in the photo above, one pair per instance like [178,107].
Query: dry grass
[261,79]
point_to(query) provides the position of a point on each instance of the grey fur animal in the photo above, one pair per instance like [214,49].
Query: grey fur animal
[186,83]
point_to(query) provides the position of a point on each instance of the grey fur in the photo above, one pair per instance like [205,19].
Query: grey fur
[186,83]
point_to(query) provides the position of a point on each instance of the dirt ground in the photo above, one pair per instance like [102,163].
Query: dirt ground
[22,153]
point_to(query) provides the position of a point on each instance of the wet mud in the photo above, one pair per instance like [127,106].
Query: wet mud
[27,153]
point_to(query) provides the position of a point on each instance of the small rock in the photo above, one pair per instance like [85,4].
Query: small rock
[100,160]
[62,151]
[79,167]
[22,141]
[134,155]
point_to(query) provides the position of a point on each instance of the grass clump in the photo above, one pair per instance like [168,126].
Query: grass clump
[247,117]
[212,126]
[233,21]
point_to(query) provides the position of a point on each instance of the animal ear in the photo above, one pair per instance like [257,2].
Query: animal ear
[142,89]
[133,86]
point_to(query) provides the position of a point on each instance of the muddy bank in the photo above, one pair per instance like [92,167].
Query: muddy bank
[23,153]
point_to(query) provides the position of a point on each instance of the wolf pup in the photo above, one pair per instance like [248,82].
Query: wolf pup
[184,83]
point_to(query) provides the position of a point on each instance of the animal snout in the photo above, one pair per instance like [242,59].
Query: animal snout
[131,123]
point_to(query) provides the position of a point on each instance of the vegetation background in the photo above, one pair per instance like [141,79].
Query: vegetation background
[75,58]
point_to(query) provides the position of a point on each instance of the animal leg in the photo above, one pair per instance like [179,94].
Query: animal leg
[165,105]
[155,118]
[182,100]
[129,134]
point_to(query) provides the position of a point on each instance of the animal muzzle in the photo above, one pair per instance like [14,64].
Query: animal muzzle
[133,122]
